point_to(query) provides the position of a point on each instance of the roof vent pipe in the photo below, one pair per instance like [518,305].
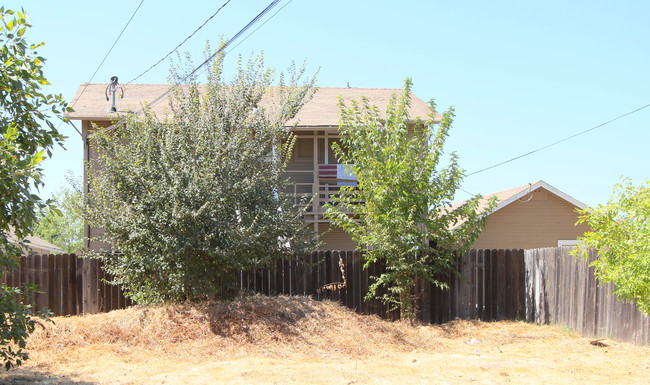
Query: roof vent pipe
[112,89]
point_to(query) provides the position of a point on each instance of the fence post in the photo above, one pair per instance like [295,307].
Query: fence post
[53,290]
[78,262]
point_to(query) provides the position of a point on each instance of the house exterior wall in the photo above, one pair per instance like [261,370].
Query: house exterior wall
[528,224]
[334,238]
[311,149]
[90,153]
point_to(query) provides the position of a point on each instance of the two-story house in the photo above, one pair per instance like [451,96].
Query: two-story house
[313,167]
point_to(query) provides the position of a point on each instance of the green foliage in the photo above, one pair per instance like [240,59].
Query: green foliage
[192,199]
[401,204]
[26,136]
[18,321]
[620,231]
[63,225]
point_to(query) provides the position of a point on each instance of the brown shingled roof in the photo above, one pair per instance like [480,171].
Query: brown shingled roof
[321,111]
[36,244]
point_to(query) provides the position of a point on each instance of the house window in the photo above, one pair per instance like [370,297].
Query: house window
[303,150]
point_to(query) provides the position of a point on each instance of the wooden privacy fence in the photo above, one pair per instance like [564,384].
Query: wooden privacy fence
[562,289]
[68,284]
[492,285]
[547,286]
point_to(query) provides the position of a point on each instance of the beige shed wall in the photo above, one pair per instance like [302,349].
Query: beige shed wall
[522,224]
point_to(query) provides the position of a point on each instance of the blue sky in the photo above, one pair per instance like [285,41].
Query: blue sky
[520,74]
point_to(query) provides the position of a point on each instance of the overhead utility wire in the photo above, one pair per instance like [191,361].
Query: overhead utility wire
[559,141]
[183,42]
[108,53]
[260,26]
[237,35]
[465,191]
[223,47]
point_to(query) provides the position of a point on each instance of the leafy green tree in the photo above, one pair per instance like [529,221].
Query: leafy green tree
[621,234]
[63,225]
[191,199]
[27,135]
[400,208]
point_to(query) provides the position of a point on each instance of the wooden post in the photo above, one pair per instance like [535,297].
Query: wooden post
[316,185]
[44,281]
[487,286]
[53,286]
[72,282]
[510,284]
[473,287]
[80,284]
[501,287]
[463,298]
[480,284]
[65,283]
[91,305]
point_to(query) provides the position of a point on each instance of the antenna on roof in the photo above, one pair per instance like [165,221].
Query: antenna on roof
[112,89]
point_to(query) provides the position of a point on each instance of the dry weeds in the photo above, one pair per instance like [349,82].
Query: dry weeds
[298,340]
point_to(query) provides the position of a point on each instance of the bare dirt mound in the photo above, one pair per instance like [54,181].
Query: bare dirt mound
[268,323]
[296,340]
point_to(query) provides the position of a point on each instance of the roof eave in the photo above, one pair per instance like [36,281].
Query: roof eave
[93,117]
[535,186]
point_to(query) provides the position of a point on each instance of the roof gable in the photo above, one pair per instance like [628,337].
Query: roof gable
[506,197]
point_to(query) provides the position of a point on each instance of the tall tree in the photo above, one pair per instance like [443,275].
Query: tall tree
[621,234]
[27,135]
[191,199]
[63,225]
[400,209]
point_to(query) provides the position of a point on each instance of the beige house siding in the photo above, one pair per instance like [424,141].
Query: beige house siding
[90,153]
[334,238]
[528,224]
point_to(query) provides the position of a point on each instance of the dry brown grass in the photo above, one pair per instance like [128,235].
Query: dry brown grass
[298,340]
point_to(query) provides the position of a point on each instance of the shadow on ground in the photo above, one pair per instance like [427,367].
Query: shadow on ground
[24,376]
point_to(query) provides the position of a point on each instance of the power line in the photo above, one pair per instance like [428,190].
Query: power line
[466,192]
[108,53]
[559,141]
[261,25]
[223,47]
[183,42]
[255,30]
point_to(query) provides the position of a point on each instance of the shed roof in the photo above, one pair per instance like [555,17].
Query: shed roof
[321,111]
[34,242]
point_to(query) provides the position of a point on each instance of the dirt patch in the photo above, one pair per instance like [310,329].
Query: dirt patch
[298,340]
